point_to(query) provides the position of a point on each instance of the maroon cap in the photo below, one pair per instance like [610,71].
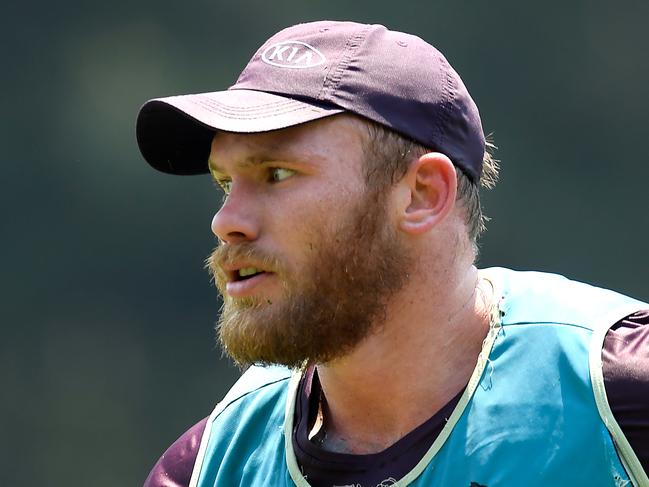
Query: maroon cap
[310,71]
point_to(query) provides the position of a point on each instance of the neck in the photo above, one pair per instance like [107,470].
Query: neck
[423,355]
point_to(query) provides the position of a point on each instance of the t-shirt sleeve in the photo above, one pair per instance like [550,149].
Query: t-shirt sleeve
[174,469]
[625,361]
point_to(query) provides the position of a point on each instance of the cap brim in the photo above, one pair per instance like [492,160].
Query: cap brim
[175,133]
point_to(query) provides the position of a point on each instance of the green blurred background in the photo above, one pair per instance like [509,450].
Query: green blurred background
[107,350]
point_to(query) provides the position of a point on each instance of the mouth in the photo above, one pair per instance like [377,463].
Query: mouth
[247,281]
[245,273]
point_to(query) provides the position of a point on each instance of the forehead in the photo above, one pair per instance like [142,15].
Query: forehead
[339,139]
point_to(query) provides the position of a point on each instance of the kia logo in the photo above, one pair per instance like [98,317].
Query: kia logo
[292,54]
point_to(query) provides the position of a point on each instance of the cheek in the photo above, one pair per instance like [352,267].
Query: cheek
[300,228]
[300,219]
[305,205]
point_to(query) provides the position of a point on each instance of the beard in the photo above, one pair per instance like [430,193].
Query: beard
[336,300]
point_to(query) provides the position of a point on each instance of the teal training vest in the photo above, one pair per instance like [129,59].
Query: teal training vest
[533,414]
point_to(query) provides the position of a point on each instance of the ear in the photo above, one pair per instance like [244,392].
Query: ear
[428,193]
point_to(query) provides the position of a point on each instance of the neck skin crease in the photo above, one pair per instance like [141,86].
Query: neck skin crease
[422,356]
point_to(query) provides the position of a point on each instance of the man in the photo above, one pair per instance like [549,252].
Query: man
[350,157]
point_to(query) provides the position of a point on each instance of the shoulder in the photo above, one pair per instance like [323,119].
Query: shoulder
[256,385]
[626,348]
[174,468]
[550,298]
[254,380]
[625,364]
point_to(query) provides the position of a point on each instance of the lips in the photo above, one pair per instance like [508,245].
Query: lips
[246,273]
[242,272]
[244,278]
[245,286]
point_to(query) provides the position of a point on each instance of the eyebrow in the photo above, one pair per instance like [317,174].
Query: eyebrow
[246,162]
[258,160]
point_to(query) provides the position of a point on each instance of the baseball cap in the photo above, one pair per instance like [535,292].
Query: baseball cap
[315,70]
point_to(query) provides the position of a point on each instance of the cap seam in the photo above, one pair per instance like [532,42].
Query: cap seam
[446,103]
[333,80]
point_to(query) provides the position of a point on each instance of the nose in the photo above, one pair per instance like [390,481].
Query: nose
[236,220]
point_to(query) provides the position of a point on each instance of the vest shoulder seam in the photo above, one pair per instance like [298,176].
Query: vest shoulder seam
[557,323]
[216,412]
[245,394]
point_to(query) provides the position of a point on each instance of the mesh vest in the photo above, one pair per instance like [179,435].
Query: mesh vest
[534,412]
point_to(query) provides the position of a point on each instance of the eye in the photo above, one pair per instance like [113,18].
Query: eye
[278,174]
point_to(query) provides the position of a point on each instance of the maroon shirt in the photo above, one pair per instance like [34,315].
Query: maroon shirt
[626,376]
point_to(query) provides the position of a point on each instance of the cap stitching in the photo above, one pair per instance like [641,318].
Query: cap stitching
[332,81]
[446,103]
[253,108]
[245,115]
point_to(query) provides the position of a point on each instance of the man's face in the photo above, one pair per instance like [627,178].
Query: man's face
[308,256]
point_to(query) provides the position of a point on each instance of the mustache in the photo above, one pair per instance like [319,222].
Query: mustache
[228,254]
